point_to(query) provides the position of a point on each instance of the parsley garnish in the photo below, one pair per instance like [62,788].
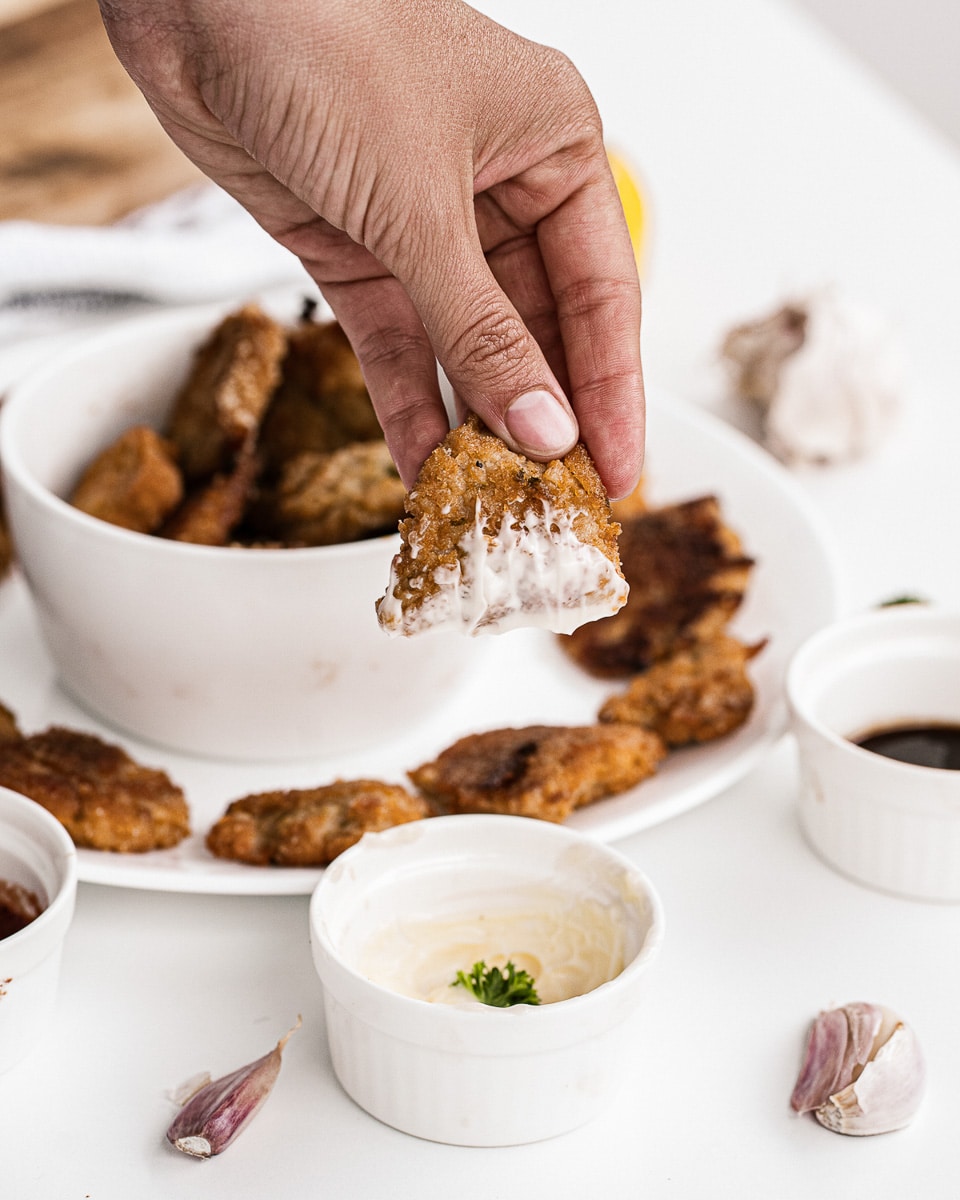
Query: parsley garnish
[490,986]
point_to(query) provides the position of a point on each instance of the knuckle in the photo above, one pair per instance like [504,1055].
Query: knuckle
[588,299]
[388,347]
[491,343]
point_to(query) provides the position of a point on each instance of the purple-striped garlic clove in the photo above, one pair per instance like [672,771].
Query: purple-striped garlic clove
[863,1071]
[213,1115]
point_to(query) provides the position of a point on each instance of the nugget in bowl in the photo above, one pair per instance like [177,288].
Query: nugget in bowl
[226,651]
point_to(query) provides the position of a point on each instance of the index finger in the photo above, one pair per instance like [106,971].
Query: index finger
[590,263]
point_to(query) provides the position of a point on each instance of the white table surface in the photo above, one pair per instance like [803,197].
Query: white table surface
[774,163]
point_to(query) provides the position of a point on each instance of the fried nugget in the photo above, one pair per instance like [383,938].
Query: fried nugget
[219,408]
[9,730]
[135,482]
[321,403]
[323,499]
[309,827]
[214,509]
[687,574]
[494,541]
[543,771]
[694,695]
[105,800]
[633,505]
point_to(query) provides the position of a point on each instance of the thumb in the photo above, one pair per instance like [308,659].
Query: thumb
[492,361]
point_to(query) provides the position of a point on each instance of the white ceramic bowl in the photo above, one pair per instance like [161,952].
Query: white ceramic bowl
[475,1075]
[36,854]
[888,824]
[224,652]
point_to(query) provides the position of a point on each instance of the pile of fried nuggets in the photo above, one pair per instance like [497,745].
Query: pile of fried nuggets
[282,420]
[271,441]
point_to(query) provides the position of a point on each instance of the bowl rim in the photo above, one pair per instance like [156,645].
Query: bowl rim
[60,906]
[17,403]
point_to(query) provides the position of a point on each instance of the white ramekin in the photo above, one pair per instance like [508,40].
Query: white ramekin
[35,852]
[888,824]
[477,1076]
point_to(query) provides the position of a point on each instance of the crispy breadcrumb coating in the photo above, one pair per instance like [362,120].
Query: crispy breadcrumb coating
[543,771]
[105,799]
[219,408]
[687,574]
[494,540]
[134,483]
[309,827]
[693,695]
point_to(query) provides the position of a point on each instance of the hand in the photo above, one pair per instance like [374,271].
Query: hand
[445,183]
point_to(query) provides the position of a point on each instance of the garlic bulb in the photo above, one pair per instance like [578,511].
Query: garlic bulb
[863,1071]
[827,375]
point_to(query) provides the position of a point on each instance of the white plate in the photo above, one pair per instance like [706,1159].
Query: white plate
[524,678]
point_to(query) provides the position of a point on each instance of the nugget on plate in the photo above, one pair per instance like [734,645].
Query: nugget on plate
[321,402]
[309,827]
[687,574]
[9,730]
[694,695]
[494,541]
[135,482]
[541,771]
[105,800]
[219,407]
[633,505]
[323,499]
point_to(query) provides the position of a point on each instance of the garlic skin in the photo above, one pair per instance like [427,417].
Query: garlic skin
[863,1071]
[826,373]
[215,1112]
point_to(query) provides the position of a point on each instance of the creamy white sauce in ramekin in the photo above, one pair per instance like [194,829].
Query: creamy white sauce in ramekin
[569,947]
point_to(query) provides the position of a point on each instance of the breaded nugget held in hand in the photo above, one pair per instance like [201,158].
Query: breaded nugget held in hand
[495,541]
[693,695]
[309,827]
[104,799]
[543,771]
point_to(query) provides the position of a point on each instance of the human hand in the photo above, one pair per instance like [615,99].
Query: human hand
[444,182]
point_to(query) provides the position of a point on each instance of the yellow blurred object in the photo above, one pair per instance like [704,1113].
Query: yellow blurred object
[631,198]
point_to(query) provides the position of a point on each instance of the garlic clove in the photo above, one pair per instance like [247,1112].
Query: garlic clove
[827,375]
[819,1076]
[214,1115]
[863,1071]
[886,1094]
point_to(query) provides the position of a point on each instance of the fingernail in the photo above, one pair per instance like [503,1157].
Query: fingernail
[539,424]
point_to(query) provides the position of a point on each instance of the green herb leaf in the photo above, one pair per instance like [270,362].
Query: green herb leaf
[897,600]
[491,986]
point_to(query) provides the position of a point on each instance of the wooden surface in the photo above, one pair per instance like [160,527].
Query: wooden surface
[78,143]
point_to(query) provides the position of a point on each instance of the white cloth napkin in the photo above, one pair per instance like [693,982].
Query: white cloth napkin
[199,245]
